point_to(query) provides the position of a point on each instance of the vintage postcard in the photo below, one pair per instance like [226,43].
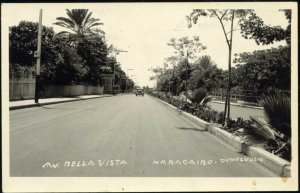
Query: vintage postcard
[100,97]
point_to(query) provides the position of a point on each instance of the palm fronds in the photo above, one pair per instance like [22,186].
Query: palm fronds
[262,128]
[206,100]
[79,21]
[256,132]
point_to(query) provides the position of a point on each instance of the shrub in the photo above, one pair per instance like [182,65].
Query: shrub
[257,132]
[208,114]
[198,95]
[220,117]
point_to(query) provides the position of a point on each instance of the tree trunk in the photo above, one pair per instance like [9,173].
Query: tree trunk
[229,64]
[227,101]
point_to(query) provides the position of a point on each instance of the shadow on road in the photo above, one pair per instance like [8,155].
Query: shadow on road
[190,128]
[65,108]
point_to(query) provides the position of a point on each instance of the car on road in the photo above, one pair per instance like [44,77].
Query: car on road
[139,92]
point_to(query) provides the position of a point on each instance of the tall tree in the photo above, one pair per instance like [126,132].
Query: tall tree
[79,22]
[251,27]
[223,16]
[71,69]
[206,74]
[185,48]
[88,41]
[93,51]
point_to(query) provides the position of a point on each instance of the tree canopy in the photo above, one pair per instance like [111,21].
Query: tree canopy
[61,62]
[264,69]
[23,43]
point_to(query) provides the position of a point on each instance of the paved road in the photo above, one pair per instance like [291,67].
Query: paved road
[120,136]
[236,111]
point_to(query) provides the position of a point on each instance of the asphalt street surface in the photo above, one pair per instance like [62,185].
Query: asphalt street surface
[119,136]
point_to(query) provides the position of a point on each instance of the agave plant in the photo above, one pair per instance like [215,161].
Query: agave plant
[256,132]
[277,108]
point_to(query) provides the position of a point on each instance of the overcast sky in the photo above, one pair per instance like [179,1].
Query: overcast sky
[144,29]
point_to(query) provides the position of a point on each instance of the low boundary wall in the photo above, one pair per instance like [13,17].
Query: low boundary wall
[26,90]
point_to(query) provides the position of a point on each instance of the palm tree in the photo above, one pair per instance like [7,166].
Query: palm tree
[80,22]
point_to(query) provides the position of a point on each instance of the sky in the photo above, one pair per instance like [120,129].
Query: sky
[144,29]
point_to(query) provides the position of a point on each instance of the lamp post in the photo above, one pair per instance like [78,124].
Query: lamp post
[126,76]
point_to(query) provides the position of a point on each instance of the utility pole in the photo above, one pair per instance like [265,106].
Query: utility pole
[187,62]
[37,54]
[117,51]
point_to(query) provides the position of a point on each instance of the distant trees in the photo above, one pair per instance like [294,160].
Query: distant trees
[187,69]
[175,80]
[162,76]
[120,78]
[205,74]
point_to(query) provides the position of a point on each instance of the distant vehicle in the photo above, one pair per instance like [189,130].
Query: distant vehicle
[139,92]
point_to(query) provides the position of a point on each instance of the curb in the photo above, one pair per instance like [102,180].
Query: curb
[233,141]
[205,125]
[51,103]
[272,162]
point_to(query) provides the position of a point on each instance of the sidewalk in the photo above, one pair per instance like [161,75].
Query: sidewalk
[239,105]
[47,101]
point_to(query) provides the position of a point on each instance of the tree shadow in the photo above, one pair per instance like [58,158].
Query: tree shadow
[65,108]
[190,128]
